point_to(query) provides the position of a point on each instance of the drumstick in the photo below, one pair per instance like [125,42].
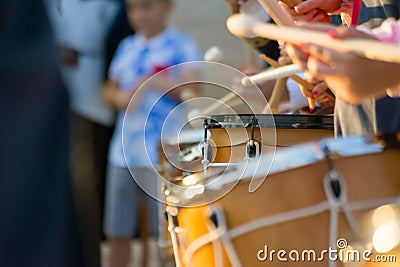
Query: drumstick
[235,8]
[276,12]
[295,77]
[291,3]
[277,93]
[242,25]
[308,86]
[270,74]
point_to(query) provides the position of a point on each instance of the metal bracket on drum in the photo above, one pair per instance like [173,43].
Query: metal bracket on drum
[333,180]
[206,149]
[253,147]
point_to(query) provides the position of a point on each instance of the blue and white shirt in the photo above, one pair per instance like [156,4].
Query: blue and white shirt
[135,58]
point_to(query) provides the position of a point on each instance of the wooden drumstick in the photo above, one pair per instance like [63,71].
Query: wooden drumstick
[270,74]
[308,86]
[235,8]
[277,93]
[242,26]
[276,12]
[291,3]
[295,77]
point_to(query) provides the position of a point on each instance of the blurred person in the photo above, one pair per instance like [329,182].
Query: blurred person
[81,28]
[153,48]
[118,30]
[371,116]
[38,223]
[264,46]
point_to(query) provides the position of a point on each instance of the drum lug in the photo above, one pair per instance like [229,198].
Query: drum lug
[216,216]
[206,150]
[333,181]
[253,147]
[334,184]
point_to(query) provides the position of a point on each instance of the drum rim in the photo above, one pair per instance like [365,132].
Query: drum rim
[281,121]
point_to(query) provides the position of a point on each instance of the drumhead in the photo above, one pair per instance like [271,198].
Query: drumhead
[189,136]
[211,184]
[299,156]
[284,121]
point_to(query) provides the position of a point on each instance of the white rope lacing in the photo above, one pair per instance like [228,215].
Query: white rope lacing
[226,236]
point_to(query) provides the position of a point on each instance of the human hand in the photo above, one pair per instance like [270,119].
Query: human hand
[314,15]
[327,6]
[352,78]
[114,97]
[284,58]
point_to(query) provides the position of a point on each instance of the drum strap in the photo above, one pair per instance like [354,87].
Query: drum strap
[221,232]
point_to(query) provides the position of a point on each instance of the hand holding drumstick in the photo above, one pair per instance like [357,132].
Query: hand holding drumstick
[353,78]
[314,92]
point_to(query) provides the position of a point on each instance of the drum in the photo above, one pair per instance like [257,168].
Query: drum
[311,202]
[231,135]
[178,153]
[174,152]
[381,237]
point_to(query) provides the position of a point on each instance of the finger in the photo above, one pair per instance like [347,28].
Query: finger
[325,5]
[319,90]
[304,91]
[323,60]
[323,98]
[285,60]
[343,32]
[311,104]
[311,79]
[318,69]
[283,52]
[290,11]
[320,17]
[309,16]
[298,56]
[321,53]
[307,6]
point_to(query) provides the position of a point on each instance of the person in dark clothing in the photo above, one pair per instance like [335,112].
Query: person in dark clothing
[118,30]
[38,224]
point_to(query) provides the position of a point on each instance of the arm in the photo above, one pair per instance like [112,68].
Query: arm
[114,97]
[353,78]
[162,82]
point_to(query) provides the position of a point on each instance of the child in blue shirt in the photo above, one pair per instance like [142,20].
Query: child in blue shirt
[155,47]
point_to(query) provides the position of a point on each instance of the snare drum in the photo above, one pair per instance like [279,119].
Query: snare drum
[230,135]
[314,195]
